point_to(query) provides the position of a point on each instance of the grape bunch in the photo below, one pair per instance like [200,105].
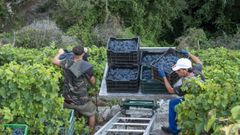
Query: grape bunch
[123,46]
[17,131]
[146,74]
[166,62]
[122,74]
[148,59]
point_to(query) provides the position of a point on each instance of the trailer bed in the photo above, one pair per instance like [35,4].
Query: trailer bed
[139,95]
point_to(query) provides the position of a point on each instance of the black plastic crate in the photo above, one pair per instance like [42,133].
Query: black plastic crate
[148,57]
[171,53]
[117,54]
[173,78]
[148,84]
[119,84]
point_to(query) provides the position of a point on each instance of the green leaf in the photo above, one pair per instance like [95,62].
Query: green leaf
[236,113]
[211,120]
[198,128]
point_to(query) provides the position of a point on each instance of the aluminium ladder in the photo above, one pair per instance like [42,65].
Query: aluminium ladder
[126,122]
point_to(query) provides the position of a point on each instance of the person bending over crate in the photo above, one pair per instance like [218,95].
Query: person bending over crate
[78,74]
[184,69]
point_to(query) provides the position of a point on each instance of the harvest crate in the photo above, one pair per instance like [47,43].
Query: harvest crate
[123,85]
[155,69]
[22,128]
[148,84]
[116,54]
[147,57]
[138,103]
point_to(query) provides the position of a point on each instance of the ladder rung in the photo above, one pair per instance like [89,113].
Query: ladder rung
[132,124]
[129,118]
[125,130]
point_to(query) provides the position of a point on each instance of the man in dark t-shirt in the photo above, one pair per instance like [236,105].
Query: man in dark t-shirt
[77,76]
[184,69]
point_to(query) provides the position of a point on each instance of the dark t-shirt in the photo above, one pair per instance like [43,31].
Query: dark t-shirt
[75,88]
[197,71]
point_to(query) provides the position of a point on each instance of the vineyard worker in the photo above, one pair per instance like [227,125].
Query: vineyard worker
[77,76]
[184,69]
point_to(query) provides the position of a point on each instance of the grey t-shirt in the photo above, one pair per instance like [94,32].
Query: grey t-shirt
[197,71]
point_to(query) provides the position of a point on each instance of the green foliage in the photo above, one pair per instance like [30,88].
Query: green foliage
[79,17]
[29,88]
[80,126]
[26,56]
[3,13]
[233,128]
[236,113]
[34,93]
[154,21]
[127,33]
[42,33]
[227,41]
[97,57]
[82,31]
[193,38]
[71,12]
[148,19]
[216,96]
[213,15]
[5,116]
[5,38]
[38,34]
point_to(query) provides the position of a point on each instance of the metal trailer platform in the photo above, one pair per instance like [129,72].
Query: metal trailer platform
[139,95]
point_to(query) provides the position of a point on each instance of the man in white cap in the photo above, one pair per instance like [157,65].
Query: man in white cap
[185,70]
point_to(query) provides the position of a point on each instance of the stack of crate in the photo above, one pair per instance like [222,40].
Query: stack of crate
[123,55]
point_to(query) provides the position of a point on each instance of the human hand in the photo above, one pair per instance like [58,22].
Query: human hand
[162,73]
[184,53]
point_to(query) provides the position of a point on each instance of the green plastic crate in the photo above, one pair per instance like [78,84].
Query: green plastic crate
[151,86]
[71,122]
[24,127]
[138,103]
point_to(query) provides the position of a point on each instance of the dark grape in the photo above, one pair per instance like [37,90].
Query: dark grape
[148,59]
[66,55]
[17,131]
[123,46]
[147,74]
[122,74]
[166,62]
[70,55]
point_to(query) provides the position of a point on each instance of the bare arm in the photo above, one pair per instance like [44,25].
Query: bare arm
[93,80]
[168,86]
[55,60]
[195,59]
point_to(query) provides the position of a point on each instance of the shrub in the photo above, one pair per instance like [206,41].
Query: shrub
[193,38]
[3,14]
[38,34]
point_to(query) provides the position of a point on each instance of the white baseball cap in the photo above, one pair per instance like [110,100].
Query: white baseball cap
[182,63]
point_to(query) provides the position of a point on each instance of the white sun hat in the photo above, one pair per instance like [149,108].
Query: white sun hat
[182,63]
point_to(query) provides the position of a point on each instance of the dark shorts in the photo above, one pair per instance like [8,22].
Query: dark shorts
[88,109]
